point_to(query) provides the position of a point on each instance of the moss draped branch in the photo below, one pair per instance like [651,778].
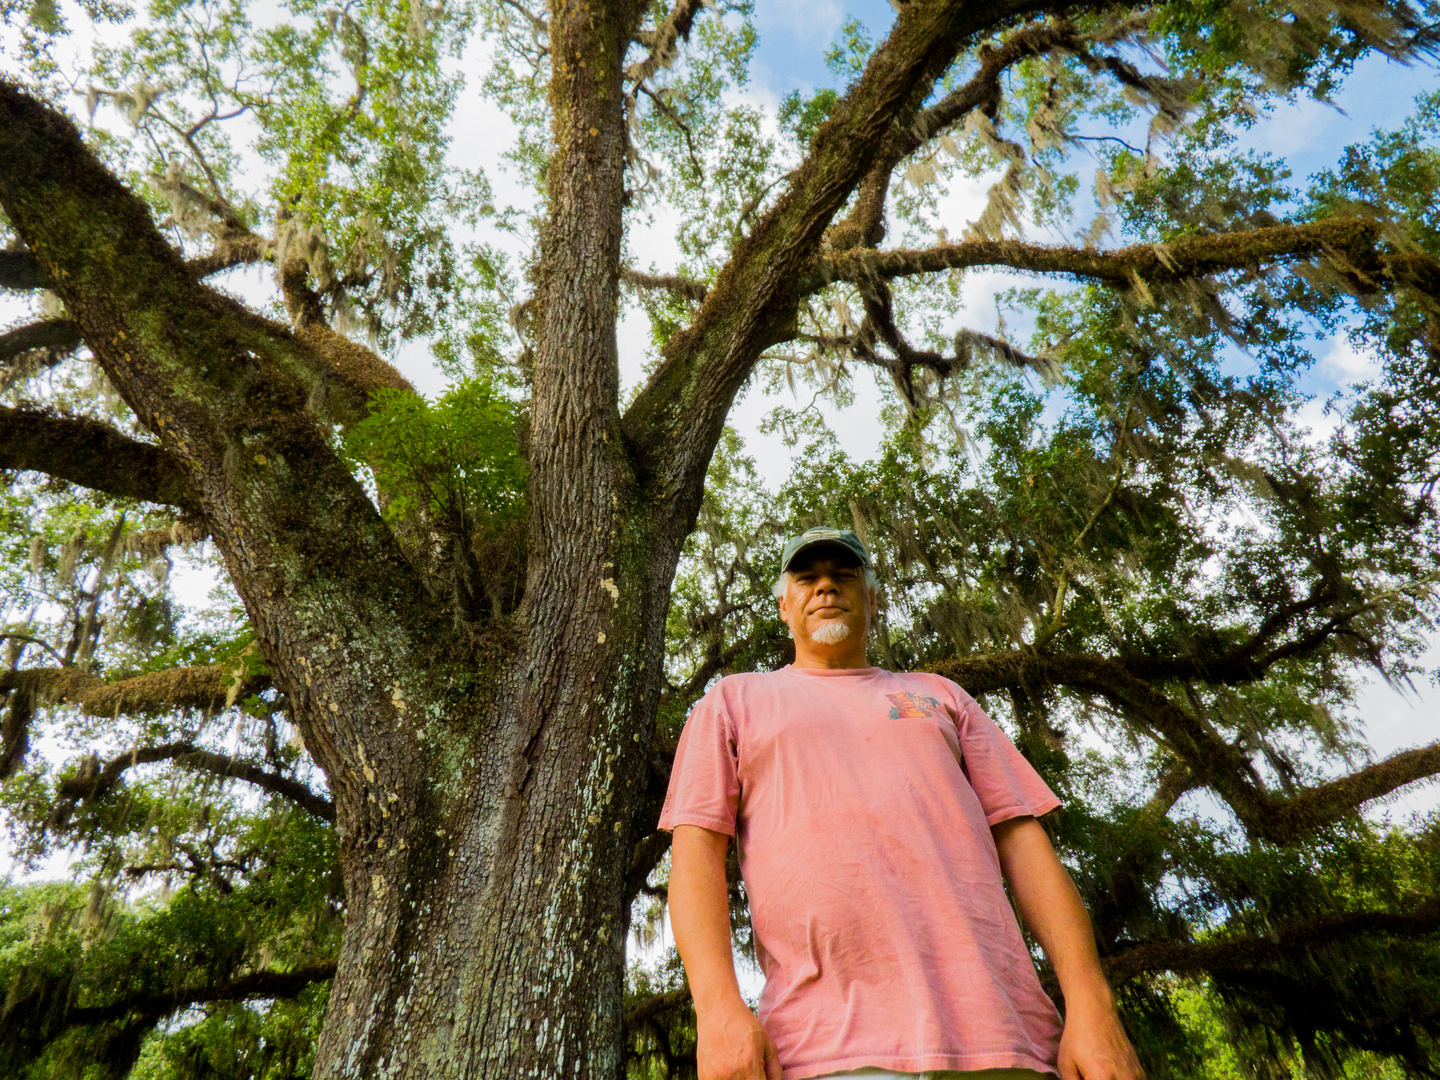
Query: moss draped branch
[61,335]
[234,398]
[664,40]
[1349,241]
[351,371]
[1210,759]
[650,1007]
[675,421]
[681,286]
[259,984]
[94,455]
[20,270]
[864,224]
[206,687]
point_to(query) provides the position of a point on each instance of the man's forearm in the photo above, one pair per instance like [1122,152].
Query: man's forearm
[699,903]
[1052,909]
[1093,1045]
[730,1044]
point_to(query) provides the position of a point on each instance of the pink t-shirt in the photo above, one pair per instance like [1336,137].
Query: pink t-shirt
[860,801]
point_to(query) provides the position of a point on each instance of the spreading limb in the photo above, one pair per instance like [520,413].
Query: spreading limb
[92,454]
[1350,241]
[1246,953]
[205,687]
[95,780]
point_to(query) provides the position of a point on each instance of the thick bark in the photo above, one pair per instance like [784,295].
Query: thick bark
[340,616]
[225,394]
[507,961]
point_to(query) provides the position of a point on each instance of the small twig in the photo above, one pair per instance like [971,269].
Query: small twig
[1105,138]
[674,118]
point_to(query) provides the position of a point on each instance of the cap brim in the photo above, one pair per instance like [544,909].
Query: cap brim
[825,542]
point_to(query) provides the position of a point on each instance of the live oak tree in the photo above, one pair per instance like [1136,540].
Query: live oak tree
[421,764]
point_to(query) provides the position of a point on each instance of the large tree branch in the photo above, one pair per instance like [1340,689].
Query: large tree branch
[20,270]
[864,223]
[680,286]
[59,334]
[259,984]
[231,396]
[1314,807]
[94,455]
[1210,759]
[205,687]
[648,1008]
[674,422]
[1350,240]
[352,372]
[95,780]
[243,249]
[664,41]
[1245,953]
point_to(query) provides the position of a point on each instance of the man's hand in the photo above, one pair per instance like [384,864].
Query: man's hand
[1093,1046]
[733,1046]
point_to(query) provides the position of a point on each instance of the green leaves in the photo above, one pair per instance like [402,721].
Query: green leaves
[456,461]
[87,974]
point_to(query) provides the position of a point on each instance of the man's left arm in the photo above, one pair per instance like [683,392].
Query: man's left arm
[1093,1045]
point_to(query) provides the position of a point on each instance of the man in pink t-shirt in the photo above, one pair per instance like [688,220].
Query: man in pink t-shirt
[877,818]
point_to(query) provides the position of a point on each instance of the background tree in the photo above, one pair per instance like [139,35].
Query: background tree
[409,775]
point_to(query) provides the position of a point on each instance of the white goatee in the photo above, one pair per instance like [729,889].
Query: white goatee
[831,632]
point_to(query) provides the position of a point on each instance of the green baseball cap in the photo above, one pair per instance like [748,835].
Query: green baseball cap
[820,536]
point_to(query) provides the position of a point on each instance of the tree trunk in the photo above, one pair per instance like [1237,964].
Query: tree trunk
[498,948]
[487,910]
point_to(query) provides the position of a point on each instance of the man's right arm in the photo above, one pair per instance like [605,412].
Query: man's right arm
[731,1044]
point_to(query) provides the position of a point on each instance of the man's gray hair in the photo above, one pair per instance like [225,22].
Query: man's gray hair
[872,581]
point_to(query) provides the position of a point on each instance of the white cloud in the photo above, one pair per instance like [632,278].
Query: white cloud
[1319,419]
[1348,365]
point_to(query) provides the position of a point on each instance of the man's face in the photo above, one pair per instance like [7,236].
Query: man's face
[826,601]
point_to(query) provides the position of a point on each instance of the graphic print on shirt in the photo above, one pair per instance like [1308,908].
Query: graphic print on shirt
[909,706]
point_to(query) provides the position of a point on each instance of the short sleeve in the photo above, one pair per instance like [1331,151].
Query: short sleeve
[705,778]
[1006,784]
